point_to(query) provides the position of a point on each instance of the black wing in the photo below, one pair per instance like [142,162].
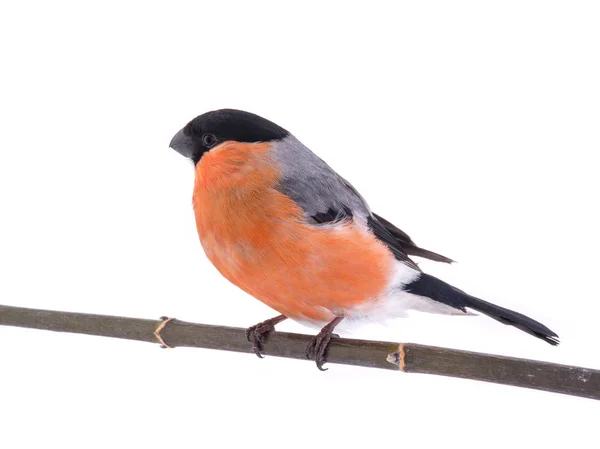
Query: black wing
[383,234]
[407,244]
[332,215]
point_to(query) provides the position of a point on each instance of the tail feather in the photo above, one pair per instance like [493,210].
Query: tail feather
[512,318]
[433,288]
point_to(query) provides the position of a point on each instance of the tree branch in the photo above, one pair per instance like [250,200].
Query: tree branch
[406,357]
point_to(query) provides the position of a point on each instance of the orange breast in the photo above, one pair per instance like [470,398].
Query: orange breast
[257,238]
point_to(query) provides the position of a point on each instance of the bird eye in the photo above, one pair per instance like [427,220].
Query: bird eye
[209,140]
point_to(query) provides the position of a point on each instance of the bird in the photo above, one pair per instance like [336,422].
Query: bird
[282,225]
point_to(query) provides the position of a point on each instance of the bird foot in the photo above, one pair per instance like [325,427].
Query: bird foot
[258,333]
[317,348]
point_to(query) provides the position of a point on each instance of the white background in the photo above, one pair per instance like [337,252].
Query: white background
[474,126]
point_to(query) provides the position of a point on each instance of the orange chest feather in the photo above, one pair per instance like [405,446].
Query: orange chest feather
[258,239]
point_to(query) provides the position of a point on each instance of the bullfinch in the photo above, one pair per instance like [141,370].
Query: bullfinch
[283,226]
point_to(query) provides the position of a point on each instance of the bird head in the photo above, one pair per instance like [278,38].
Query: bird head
[211,129]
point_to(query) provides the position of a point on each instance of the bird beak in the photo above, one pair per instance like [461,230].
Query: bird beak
[182,144]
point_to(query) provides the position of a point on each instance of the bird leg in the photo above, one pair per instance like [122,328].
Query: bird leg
[258,333]
[317,348]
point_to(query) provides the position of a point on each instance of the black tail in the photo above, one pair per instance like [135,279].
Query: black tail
[438,290]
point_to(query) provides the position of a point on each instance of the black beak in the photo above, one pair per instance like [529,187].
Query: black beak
[182,144]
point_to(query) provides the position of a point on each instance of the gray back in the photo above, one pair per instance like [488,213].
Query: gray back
[313,184]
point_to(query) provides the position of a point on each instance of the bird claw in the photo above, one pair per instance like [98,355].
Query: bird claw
[258,334]
[317,348]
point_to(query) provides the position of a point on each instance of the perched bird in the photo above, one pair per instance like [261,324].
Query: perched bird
[283,226]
